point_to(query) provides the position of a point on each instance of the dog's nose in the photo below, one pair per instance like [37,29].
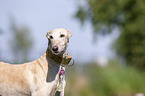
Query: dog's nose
[55,48]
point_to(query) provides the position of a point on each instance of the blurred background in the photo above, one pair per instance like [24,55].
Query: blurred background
[108,42]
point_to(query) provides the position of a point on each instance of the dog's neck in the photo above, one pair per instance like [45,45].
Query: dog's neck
[54,62]
[59,59]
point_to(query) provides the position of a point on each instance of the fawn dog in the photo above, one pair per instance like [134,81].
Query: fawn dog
[40,77]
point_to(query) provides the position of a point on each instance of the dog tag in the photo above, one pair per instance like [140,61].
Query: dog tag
[62,72]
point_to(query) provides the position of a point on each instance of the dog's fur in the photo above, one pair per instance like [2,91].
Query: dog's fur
[37,78]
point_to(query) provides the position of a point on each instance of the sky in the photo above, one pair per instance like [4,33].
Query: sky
[42,16]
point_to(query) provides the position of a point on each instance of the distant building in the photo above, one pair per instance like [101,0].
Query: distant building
[139,94]
[101,61]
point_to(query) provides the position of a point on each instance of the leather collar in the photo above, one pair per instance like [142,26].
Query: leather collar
[60,59]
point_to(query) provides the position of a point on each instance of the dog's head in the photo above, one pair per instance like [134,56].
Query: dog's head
[58,40]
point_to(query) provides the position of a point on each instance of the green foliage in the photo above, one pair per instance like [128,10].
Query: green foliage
[128,16]
[112,80]
[116,81]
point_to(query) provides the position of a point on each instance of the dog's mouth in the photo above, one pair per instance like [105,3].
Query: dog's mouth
[55,52]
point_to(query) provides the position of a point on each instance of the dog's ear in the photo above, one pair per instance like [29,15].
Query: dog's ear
[47,35]
[69,34]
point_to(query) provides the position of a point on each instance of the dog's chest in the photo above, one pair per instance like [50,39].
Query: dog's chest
[53,71]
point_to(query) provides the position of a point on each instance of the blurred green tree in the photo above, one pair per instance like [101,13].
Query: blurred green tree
[128,16]
[21,42]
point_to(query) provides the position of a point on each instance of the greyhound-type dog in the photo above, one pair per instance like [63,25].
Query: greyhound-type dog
[42,76]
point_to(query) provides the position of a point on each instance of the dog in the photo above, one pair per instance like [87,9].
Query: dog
[40,77]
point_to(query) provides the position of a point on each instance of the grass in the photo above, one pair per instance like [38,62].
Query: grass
[112,80]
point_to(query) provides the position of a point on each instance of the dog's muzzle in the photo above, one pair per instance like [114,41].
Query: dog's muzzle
[55,49]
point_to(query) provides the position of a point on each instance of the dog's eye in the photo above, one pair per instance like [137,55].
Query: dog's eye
[62,35]
[51,37]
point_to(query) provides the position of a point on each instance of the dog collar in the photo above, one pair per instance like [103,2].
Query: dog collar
[62,60]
